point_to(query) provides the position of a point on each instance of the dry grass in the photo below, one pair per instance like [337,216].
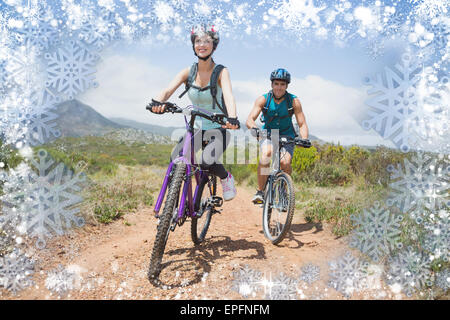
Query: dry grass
[110,197]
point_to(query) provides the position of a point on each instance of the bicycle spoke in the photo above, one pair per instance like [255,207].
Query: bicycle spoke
[277,215]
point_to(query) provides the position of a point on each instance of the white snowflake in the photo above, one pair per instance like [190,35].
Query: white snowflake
[23,67]
[310,273]
[13,180]
[375,49]
[437,239]
[429,9]
[394,25]
[441,32]
[443,279]
[395,105]
[281,287]
[3,77]
[15,271]
[409,270]
[297,15]
[348,274]
[203,8]
[246,281]
[164,12]
[71,69]
[420,36]
[29,118]
[38,34]
[420,186]
[376,232]
[43,202]
[77,13]
[60,280]
[100,30]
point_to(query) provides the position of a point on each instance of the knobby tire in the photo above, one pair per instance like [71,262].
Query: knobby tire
[267,211]
[199,237]
[164,222]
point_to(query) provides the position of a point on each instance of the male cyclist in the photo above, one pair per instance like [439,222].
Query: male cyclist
[277,107]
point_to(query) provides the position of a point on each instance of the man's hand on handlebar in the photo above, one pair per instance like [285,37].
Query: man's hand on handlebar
[305,143]
[256,132]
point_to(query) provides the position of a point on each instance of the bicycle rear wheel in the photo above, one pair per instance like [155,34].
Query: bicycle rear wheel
[163,230]
[200,224]
[278,213]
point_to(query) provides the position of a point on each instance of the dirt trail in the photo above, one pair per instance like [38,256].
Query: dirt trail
[111,260]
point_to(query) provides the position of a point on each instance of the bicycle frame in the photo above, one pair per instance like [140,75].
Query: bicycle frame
[275,169]
[188,157]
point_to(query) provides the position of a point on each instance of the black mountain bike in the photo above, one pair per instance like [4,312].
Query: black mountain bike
[279,194]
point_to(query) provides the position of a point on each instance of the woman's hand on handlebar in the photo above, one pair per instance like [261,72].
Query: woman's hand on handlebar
[157,107]
[232,123]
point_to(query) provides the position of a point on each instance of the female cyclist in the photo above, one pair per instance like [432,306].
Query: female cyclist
[204,42]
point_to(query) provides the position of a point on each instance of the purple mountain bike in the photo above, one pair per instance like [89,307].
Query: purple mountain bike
[199,206]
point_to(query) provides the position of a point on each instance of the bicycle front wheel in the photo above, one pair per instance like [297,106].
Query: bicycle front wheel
[200,224]
[278,213]
[165,220]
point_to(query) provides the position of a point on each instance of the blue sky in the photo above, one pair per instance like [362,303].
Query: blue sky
[327,78]
[340,70]
[325,68]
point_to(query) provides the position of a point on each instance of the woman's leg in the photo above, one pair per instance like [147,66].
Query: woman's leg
[216,141]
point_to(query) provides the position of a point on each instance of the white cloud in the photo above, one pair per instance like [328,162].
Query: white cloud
[127,84]
[330,108]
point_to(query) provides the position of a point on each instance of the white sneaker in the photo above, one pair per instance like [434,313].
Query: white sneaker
[229,190]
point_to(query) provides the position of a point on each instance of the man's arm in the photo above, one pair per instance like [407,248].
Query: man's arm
[300,117]
[256,110]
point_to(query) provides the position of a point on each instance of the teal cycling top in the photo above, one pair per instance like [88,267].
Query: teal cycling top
[276,112]
[204,100]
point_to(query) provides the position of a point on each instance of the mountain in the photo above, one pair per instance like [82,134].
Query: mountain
[75,119]
[164,131]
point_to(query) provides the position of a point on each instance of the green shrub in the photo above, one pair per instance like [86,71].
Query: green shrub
[242,172]
[332,154]
[304,159]
[356,158]
[330,174]
[336,212]
[375,167]
[104,155]
[9,157]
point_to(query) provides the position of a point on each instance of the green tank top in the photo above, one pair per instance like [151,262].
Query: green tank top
[276,112]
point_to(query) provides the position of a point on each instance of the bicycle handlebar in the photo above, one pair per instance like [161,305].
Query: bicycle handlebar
[173,108]
[305,143]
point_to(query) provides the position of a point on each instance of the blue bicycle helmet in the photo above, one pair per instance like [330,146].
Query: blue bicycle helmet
[280,74]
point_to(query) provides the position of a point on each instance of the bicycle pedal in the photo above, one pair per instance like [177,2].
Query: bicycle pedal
[216,201]
[257,202]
